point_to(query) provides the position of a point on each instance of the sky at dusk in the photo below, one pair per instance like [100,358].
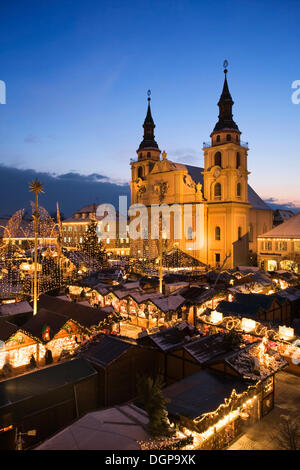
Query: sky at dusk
[77,74]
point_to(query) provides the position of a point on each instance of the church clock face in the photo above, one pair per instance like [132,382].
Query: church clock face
[217,172]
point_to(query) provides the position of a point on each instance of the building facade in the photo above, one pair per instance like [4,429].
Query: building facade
[74,229]
[226,214]
[279,248]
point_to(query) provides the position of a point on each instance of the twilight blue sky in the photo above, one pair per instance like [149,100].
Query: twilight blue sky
[77,73]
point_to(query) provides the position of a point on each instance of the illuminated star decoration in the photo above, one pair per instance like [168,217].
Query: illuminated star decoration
[36,187]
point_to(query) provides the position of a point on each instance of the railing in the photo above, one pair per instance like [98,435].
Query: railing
[209,144]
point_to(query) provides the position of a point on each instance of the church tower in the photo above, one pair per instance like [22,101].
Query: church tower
[226,188]
[148,151]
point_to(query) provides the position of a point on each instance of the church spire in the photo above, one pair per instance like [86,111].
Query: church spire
[225,104]
[148,141]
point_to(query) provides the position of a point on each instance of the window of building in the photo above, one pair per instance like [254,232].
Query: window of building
[218,138]
[217,233]
[297,245]
[218,191]
[190,233]
[239,233]
[218,159]
[70,228]
[140,172]
[218,257]
[283,246]
[80,239]
[107,241]
[228,137]
[238,190]
[65,239]
[267,246]
[238,159]
[148,154]
[251,233]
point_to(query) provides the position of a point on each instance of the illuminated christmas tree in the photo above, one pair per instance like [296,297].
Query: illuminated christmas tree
[91,245]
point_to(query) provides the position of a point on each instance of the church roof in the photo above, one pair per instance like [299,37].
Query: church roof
[225,110]
[288,229]
[196,174]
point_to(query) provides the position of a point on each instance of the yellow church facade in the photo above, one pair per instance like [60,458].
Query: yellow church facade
[224,214]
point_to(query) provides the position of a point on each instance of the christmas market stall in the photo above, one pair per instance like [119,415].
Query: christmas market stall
[46,400]
[57,335]
[17,347]
[90,320]
[117,361]
[215,406]
[168,348]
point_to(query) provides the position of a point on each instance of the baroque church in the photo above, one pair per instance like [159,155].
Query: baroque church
[232,213]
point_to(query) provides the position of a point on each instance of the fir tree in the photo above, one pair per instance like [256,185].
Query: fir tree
[90,244]
[151,397]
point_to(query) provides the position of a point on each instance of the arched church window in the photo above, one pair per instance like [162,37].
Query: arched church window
[218,138]
[218,191]
[190,233]
[238,190]
[140,172]
[228,137]
[238,159]
[239,233]
[148,154]
[217,233]
[218,159]
[251,233]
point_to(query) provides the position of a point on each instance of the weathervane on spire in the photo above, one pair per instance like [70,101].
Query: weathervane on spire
[225,65]
[149,94]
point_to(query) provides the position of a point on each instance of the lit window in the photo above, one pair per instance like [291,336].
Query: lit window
[218,159]
[282,246]
[107,241]
[190,233]
[217,233]
[217,191]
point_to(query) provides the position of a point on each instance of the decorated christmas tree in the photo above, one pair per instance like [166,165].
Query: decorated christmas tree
[91,246]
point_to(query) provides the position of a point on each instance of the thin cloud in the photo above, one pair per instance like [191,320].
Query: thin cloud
[31,139]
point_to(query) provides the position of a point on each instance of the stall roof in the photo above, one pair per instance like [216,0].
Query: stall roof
[42,381]
[208,349]
[85,316]
[201,393]
[171,338]
[35,325]
[105,350]
[7,330]
[249,364]
[16,308]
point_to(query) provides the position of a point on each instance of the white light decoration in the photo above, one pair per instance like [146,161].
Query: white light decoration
[248,324]
[216,317]
[286,332]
